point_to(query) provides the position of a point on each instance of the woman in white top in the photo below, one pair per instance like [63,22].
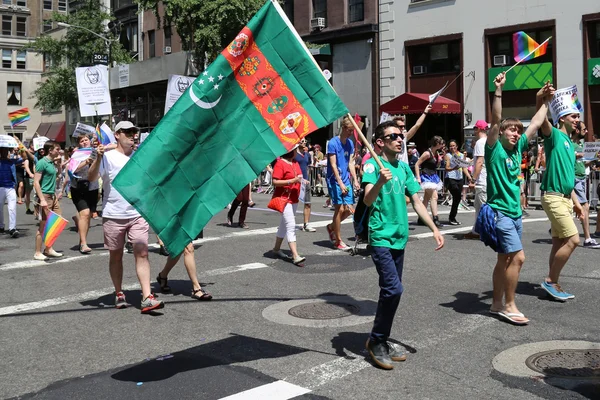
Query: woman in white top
[455,178]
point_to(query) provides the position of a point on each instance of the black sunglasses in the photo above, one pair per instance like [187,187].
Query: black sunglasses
[394,136]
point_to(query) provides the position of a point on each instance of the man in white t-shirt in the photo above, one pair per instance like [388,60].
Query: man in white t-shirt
[401,122]
[479,178]
[120,220]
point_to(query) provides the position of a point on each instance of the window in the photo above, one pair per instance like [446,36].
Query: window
[151,44]
[6,58]
[21,60]
[22,26]
[319,8]
[7,25]
[7,2]
[356,10]
[595,40]
[13,93]
[22,3]
[129,37]
[47,4]
[288,8]
[168,34]
[436,58]
[48,62]
[62,5]
[502,45]
[47,25]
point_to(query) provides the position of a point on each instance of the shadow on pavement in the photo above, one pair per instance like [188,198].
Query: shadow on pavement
[470,303]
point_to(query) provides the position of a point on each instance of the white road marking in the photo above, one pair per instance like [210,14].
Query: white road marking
[235,268]
[36,263]
[278,390]
[335,369]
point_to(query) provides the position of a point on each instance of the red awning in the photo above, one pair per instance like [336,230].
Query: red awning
[415,103]
[56,132]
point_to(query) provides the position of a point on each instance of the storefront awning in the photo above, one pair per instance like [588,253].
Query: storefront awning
[53,131]
[415,103]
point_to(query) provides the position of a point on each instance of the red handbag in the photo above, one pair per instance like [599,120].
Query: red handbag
[278,203]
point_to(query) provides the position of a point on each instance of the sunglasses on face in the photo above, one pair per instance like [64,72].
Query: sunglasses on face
[402,126]
[394,136]
[130,131]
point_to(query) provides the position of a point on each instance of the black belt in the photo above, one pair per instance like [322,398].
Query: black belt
[566,196]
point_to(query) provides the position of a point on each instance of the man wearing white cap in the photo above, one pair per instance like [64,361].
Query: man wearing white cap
[120,221]
[559,199]
[479,178]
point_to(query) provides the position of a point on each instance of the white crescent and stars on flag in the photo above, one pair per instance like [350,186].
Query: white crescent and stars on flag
[211,79]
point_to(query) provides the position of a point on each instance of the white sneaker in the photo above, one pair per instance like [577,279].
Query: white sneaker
[40,257]
[591,244]
[308,228]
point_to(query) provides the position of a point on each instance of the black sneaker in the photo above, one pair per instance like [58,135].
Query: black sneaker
[129,247]
[2,231]
[380,354]
[420,222]
[454,222]
[13,233]
[437,222]
[163,251]
[29,212]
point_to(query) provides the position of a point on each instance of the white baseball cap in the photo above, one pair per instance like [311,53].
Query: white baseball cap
[124,125]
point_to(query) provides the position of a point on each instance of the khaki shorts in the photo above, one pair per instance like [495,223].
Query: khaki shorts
[560,213]
[53,205]
[115,231]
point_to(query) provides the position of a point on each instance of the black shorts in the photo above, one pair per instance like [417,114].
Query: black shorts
[84,199]
[20,176]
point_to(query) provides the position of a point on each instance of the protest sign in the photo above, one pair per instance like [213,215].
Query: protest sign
[461,162]
[433,97]
[591,151]
[39,142]
[384,117]
[177,85]
[83,129]
[7,141]
[93,91]
[143,136]
[565,101]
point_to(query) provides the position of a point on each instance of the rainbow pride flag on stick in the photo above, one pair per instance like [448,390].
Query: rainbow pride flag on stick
[18,117]
[525,48]
[54,227]
[104,135]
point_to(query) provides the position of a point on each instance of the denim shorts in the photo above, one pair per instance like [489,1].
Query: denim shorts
[508,232]
[580,190]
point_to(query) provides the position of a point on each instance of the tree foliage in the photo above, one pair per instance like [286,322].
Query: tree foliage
[74,49]
[205,27]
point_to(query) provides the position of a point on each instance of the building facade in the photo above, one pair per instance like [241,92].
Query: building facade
[21,70]
[426,43]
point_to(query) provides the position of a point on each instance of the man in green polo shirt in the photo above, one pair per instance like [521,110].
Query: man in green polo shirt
[44,182]
[559,198]
[388,233]
[504,146]
[577,136]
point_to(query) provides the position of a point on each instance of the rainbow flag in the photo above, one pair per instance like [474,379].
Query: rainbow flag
[54,226]
[18,117]
[523,45]
[104,135]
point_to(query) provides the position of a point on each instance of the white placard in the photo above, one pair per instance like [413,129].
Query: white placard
[327,74]
[38,142]
[143,136]
[565,101]
[175,88]
[384,117]
[83,129]
[123,75]
[7,141]
[590,151]
[433,97]
[93,91]
[460,162]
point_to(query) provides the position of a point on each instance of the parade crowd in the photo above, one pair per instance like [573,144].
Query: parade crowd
[494,172]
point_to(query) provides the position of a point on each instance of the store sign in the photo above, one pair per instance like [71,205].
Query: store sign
[522,77]
[594,71]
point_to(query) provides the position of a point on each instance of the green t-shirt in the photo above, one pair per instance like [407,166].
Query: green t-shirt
[503,172]
[48,171]
[388,219]
[579,165]
[560,163]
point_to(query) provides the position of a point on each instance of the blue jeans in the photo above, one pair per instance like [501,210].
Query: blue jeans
[389,264]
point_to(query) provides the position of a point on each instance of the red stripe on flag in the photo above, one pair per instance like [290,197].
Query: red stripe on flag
[267,91]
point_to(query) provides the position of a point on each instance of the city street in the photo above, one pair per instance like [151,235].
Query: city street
[277,331]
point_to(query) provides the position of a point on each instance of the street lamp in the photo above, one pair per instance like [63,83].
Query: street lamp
[107,40]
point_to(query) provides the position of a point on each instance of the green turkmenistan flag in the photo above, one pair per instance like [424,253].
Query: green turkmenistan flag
[255,102]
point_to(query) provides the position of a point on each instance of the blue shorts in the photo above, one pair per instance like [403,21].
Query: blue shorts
[508,231]
[580,190]
[335,193]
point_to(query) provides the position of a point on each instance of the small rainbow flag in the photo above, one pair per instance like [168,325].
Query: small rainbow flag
[523,45]
[18,117]
[103,134]
[55,224]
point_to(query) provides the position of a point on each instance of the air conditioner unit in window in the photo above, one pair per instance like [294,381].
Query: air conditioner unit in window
[419,69]
[500,61]
[317,23]
[167,50]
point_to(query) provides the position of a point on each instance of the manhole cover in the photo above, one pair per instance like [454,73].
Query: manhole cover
[566,363]
[323,310]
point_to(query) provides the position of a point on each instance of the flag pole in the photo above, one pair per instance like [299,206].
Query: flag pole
[363,139]
[530,53]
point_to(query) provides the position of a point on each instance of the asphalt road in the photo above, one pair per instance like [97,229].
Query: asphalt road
[61,339]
